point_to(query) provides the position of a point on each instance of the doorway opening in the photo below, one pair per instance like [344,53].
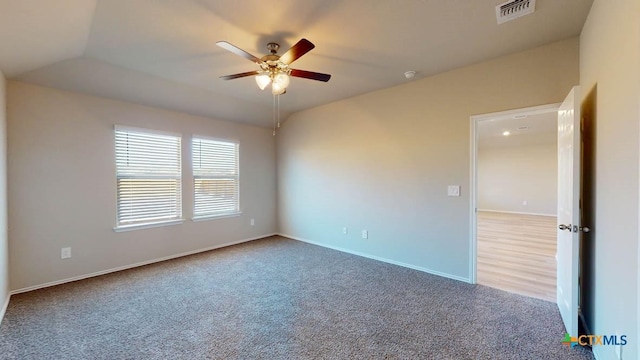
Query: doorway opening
[514,200]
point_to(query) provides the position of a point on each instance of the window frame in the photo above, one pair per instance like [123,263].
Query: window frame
[179,219]
[221,215]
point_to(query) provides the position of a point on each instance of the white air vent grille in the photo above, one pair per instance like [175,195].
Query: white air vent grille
[514,9]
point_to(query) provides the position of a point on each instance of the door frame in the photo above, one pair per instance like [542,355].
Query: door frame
[475,120]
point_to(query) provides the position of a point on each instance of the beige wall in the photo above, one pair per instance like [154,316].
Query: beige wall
[610,79]
[508,176]
[4,246]
[382,161]
[62,185]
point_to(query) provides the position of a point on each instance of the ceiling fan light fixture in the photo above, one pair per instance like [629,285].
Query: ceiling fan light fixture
[277,89]
[263,80]
[282,79]
[279,83]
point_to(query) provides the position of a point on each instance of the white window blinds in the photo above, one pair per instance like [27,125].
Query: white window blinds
[216,178]
[148,177]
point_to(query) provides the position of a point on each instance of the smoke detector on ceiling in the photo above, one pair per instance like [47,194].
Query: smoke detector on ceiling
[409,74]
[514,9]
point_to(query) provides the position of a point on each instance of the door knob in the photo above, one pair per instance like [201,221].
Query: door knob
[564,227]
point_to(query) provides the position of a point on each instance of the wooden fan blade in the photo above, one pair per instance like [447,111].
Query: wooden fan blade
[235,76]
[300,48]
[310,75]
[236,50]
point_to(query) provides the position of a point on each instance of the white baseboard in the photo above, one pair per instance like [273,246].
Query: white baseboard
[131,266]
[516,212]
[373,257]
[4,307]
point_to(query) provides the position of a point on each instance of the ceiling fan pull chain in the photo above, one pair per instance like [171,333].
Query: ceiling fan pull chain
[274,115]
[278,111]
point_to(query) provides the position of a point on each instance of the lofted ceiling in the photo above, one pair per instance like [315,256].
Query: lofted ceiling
[162,53]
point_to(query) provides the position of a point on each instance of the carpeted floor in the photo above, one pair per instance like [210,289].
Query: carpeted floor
[279,299]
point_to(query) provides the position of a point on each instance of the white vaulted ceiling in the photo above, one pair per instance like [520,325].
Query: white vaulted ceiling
[36,33]
[162,52]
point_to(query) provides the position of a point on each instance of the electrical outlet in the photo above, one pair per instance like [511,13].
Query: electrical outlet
[253,222]
[365,234]
[65,253]
[525,202]
[345,230]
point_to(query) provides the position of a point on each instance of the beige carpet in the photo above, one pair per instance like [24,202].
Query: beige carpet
[279,299]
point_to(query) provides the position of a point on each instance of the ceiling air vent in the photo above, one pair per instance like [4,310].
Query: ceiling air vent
[514,9]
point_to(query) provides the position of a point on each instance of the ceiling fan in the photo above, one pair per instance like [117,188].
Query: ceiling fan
[274,69]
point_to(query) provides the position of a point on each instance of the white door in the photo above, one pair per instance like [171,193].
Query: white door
[569,154]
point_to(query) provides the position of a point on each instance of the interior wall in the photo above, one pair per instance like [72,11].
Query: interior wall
[609,58]
[509,176]
[382,161]
[62,187]
[4,246]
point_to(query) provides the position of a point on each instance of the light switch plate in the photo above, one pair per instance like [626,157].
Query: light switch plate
[65,253]
[453,190]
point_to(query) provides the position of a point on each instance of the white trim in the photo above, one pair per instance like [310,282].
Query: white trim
[508,114]
[148,225]
[146,130]
[213,217]
[517,212]
[373,257]
[213,138]
[131,266]
[3,309]
[473,245]
[474,120]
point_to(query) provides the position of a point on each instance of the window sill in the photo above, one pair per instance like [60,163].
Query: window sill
[148,225]
[213,217]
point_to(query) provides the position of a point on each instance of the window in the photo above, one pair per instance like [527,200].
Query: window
[148,178]
[215,178]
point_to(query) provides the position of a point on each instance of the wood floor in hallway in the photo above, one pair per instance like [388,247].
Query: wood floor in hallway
[516,253]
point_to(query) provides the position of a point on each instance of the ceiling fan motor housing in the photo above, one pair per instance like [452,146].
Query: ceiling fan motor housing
[271,63]
[273,47]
